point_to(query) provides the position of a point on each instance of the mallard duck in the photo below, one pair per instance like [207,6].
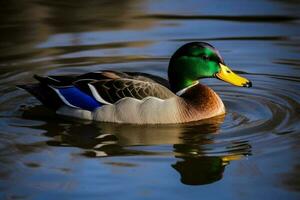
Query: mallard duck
[140,98]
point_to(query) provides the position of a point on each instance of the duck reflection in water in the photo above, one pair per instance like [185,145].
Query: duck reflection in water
[198,168]
[200,158]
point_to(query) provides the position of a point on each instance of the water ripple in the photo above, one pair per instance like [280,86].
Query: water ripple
[240,18]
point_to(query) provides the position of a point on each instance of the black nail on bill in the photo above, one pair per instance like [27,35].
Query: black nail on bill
[248,84]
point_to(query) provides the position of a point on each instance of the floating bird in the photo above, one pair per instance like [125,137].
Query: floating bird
[140,98]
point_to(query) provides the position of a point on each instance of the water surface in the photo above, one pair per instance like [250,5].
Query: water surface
[250,153]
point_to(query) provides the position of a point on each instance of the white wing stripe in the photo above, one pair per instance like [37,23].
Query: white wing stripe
[62,97]
[97,95]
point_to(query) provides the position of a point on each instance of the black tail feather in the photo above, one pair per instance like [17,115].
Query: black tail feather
[44,94]
[56,80]
[46,80]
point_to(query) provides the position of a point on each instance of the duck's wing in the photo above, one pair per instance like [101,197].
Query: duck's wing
[67,80]
[91,90]
[148,78]
[110,91]
[110,74]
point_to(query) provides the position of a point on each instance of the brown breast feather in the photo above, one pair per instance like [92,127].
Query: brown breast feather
[200,102]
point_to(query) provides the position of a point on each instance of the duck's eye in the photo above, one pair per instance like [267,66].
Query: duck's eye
[205,57]
[228,71]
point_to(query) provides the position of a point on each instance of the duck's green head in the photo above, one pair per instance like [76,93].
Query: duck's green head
[197,60]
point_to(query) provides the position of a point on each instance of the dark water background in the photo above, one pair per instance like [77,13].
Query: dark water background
[252,153]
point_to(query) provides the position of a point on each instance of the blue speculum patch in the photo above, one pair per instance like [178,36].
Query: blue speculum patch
[79,99]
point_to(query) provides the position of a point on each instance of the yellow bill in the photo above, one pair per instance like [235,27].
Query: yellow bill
[227,75]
